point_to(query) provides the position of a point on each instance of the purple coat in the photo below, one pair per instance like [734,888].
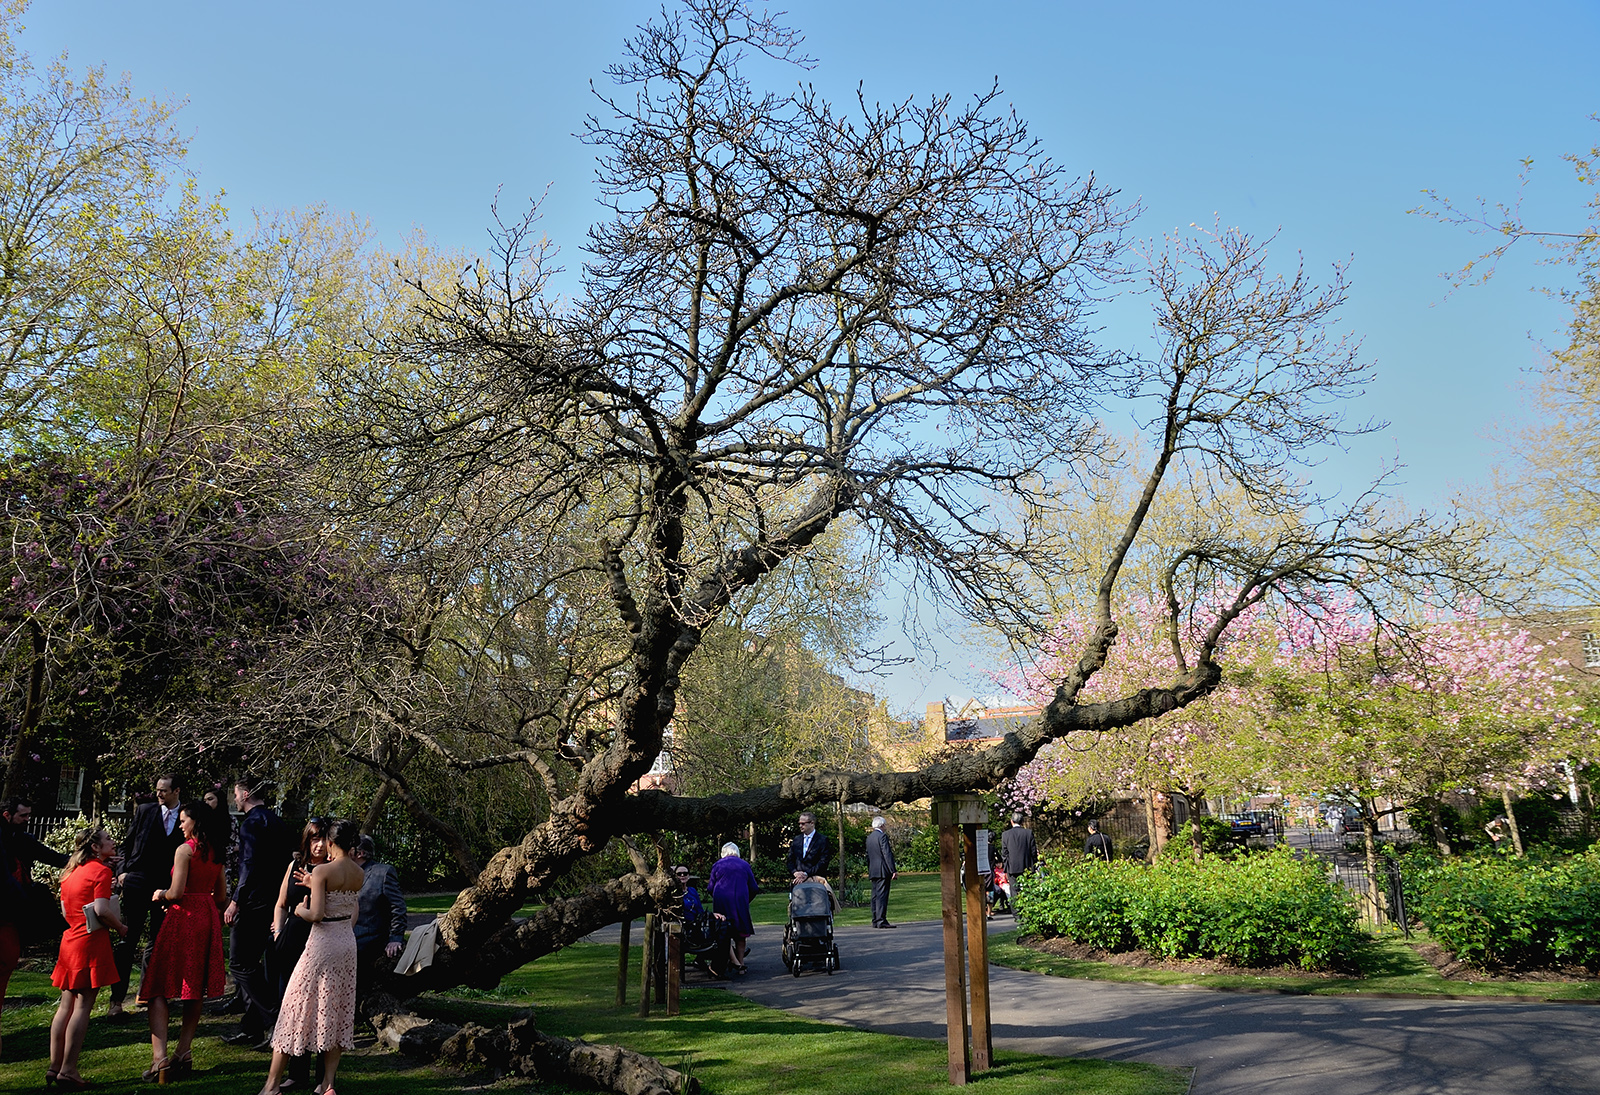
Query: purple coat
[733,884]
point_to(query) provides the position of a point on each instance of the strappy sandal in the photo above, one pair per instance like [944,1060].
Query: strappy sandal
[182,1067]
[157,1073]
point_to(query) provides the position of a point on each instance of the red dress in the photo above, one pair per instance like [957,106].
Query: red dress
[86,961]
[186,961]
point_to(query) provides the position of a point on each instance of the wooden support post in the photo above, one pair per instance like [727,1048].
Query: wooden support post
[646,960]
[977,954]
[674,964]
[622,965]
[955,989]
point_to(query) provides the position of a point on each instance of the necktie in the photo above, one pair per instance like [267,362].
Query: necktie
[166,820]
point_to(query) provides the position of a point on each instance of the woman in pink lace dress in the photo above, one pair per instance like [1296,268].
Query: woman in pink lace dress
[318,1014]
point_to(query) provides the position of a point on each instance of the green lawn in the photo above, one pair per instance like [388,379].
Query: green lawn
[114,1056]
[912,897]
[736,1047]
[733,1046]
[1390,965]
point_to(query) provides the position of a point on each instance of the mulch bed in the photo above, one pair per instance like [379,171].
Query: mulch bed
[1449,966]
[1141,959]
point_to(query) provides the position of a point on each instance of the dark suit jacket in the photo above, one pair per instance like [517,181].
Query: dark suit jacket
[147,850]
[382,918]
[1018,851]
[813,862]
[264,852]
[880,856]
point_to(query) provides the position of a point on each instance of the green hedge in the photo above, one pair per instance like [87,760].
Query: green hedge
[1500,911]
[1263,910]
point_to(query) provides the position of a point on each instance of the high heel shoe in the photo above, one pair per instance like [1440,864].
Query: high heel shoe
[50,1076]
[72,1083]
[182,1067]
[157,1073]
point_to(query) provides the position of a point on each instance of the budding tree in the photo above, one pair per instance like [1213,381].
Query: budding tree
[798,314]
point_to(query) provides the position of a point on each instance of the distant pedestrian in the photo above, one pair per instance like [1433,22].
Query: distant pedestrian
[809,854]
[1097,845]
[733,884]
[1336,822]
[881,870]
[1018,852]
[381,927]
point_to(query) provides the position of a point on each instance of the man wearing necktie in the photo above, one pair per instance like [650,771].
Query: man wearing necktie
[147,853]
[808,852]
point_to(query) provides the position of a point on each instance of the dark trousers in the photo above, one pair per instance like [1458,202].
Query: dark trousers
[136,908]
[880,900]
[252,931]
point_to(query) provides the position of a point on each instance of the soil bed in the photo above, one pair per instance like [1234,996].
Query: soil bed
[1141,959]
[1448,965]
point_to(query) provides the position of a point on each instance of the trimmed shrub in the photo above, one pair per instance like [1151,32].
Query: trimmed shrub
[1264,910]
[1500,911]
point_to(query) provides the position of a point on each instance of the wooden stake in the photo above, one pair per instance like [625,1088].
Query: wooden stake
[674,964]
[622,965]
[977,955]
[646,960]
[955,989]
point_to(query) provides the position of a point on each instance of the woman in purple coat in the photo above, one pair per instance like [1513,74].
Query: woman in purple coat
[733,884]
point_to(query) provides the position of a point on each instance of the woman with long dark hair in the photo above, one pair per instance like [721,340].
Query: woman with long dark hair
[290,933]
[318,1014]
[186,961]
[85,964]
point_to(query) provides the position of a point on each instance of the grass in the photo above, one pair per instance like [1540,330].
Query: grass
[733,1046]
[911,897]
[1389,965]
[113,1056]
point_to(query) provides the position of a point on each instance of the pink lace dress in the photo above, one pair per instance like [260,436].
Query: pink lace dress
[319,1003]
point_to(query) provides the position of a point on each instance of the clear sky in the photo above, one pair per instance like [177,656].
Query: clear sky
[1321,122]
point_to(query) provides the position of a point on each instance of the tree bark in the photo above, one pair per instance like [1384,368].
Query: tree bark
[32,712]
[1511,820]
[1369,833]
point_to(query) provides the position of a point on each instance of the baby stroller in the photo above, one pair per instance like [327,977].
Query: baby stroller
[808,937]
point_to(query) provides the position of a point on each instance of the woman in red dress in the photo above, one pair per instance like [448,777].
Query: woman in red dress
[186,961]
[86,964]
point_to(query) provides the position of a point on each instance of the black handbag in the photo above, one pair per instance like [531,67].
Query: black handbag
[41,920]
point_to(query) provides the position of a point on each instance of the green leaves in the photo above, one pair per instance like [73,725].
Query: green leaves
[1497,911]
[1264,910]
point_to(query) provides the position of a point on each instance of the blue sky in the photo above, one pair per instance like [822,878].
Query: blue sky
[1321,122]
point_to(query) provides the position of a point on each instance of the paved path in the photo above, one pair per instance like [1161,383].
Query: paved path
[1238,1043]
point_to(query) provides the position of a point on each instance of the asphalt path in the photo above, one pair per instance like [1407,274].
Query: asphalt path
[1237,1043]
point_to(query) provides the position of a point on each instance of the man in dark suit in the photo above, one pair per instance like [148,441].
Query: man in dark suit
[265,848]
[881,869]
[1018,852]
[381,925]
[147,854]
[808,852]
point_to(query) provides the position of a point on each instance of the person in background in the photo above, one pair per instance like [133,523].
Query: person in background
[289,932]
[733,884]
[86,963]
[1018,852]
[147,850]
[186,961]
[381,925]
[265,849]
[808,853]
[881,870]
[1097,845]
[19,893]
